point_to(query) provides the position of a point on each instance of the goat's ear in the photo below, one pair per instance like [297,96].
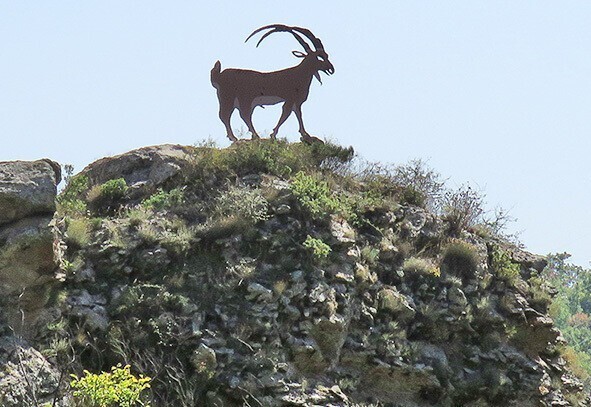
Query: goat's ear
[298,54]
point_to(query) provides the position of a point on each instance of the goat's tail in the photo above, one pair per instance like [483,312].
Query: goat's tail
[215,73]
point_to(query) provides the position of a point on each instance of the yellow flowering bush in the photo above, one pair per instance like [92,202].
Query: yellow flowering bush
[117,388]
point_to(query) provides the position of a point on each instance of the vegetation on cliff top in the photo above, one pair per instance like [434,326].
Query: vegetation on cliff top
[268,272]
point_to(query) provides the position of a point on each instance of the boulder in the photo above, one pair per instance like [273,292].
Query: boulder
[27,202]
[144,169]
[27,188]
[26,377]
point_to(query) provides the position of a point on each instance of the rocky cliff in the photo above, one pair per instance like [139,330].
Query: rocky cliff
[267,274]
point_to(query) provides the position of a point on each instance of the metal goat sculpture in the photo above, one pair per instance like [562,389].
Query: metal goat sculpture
[246,89]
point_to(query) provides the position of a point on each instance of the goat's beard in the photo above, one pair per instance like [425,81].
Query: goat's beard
[317,76]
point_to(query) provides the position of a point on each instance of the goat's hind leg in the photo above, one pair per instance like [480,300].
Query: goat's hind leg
[246,115]
[226,110]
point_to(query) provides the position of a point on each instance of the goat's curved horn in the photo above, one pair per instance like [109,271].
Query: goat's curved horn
[315,40]
[280,28]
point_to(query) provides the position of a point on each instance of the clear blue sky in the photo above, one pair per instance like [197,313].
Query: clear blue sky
[493,93]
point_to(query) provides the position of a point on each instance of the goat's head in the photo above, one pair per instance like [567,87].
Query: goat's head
[317,56]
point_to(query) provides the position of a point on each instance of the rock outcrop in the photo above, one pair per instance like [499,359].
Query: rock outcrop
[27,205]
[27,189]
[242,277]
[27,272]
[144,169]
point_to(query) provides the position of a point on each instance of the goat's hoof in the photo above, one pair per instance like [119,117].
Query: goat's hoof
[311,139]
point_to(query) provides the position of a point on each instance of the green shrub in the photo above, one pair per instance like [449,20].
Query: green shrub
[232,211]
[107,196]
[114,188]
[78,232]
[416,266]
[177,239]
[70,200]
[353,207]
[319,249]
[314,195]
[164,200]
[117,388]
[172,234]
[246,203]
[412,196]
[460,258]
[504,268]
[138,215]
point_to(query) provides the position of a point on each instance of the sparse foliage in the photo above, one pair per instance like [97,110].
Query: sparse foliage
[117,388]
[319,249]
[462,208]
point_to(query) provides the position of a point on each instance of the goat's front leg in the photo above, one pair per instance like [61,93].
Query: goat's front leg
[285,112]
[306,138]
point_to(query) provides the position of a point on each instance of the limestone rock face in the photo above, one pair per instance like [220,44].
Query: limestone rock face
[26,377]
[26,253]
[144,169]
[27,204]
[27,188]
[234,310]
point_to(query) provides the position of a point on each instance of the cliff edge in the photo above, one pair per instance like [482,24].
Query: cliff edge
[271,274]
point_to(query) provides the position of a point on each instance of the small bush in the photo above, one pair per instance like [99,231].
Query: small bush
[117,388]
[412,196]
[114,188]
[460,258]
[504,268]
[416,266]
[78,232]
[70,200]
[138,215]
[245,203]
[314,195]
[177,239]
[462,209]
[420,185]
[319,249]
[172,234]
[107,196]
[164,200]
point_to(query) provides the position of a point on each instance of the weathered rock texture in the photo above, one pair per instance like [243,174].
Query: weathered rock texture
[27,204]
[144,169]
[27,188]
[26,377]
[229,297]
